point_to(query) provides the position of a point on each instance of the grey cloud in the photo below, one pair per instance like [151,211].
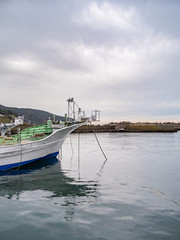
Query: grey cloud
[125,73]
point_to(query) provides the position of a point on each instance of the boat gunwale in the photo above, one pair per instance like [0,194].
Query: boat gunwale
[40,140]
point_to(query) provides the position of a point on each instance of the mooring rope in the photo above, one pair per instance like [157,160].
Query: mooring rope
[99,143]
[161,194]
[79,155]
[20,149]
[71,144]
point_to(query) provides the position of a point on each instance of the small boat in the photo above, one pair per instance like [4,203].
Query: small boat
[5,127]
[35,143]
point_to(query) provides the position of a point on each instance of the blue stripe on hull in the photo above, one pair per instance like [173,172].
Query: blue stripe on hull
[15,165]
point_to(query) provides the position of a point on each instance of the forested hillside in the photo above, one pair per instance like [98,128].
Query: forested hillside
[32,116]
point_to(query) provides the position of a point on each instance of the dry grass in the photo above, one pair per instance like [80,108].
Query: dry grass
[5,119]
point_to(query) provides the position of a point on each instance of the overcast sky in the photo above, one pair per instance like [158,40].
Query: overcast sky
[119,56]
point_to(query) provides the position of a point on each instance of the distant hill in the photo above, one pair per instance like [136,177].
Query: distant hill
[32,116]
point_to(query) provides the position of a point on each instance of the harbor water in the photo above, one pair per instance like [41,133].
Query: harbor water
[134,194]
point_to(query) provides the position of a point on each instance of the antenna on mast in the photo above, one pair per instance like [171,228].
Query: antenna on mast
[76,114]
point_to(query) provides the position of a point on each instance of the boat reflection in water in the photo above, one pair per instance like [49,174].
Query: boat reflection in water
[45,179]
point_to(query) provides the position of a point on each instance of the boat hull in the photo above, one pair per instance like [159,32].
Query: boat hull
[17,165]
[20,154]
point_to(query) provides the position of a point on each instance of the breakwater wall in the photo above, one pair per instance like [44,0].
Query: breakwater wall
[129,127]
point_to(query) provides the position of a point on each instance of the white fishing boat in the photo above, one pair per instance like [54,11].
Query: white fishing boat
[34,143]
[14,155]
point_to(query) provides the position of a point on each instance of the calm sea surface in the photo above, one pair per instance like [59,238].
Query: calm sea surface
[134,195]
